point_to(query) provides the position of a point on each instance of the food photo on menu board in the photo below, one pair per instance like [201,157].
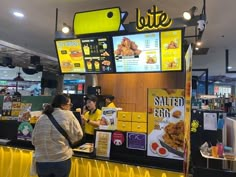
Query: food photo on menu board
[137,52]
[70,56]
[98,55]
[166,123]
[171,50]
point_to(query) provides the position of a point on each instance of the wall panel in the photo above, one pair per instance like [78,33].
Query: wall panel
[130,90]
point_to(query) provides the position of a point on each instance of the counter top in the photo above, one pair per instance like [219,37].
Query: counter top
[129,160]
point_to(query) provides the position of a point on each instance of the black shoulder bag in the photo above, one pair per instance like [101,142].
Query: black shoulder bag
[60,129]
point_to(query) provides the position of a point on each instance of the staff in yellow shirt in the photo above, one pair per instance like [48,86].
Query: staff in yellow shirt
[91,118]
[109,101]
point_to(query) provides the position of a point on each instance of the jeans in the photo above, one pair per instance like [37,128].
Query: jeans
[53,169]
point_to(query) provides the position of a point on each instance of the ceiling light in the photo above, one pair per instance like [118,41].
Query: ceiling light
[65,28]
[196,48]
[198,43]
[189,14]
[230,67]
[18,14]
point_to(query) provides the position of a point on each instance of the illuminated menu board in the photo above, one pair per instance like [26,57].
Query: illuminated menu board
[98,55]
[148,52]
[171,50]
[137,53]
[70,56]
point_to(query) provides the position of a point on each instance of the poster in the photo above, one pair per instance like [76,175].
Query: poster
[136,141]
[166,123]
[171,50]
[70,56]
[7,105]
[103,143]
[108,120]
[187,120]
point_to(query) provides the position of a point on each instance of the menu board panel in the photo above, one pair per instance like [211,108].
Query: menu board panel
[166,123]
[70,56]
[171,50]
[98,55]
[137,52]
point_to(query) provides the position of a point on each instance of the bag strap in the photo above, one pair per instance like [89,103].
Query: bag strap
[58,127]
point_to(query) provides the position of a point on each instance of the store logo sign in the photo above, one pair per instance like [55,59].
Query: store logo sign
[153,20]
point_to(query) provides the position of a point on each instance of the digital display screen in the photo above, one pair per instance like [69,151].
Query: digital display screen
[98,55]
[137,53]
[148,52]
[70,56]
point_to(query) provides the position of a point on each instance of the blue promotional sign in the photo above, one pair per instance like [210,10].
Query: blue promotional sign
[136,141]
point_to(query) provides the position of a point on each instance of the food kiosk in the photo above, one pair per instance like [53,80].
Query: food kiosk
[145,72]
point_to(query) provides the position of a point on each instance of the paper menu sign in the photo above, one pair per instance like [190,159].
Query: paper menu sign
[108,119]
[210,121]
[166,123]
[103,143]
[171,50]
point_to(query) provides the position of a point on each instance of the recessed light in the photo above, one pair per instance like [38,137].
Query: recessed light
[18,14]
[229,67]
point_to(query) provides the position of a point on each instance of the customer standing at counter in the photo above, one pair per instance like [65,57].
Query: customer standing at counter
[52,151]
[109,101]
[91,118]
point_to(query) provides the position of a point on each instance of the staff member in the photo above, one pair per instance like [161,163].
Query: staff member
[109,101]
[91,118]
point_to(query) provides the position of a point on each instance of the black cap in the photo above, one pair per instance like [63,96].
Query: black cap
[91,98]
[111,97]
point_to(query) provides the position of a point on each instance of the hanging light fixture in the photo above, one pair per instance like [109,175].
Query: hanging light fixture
[188,15]
[18,77]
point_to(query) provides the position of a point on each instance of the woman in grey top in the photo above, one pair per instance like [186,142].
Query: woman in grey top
[52,150]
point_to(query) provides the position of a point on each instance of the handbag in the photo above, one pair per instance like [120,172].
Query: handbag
[61,130]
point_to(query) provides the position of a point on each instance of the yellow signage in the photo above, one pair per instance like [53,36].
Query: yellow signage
[154,19]
[98,21]
[165,114]
[171,50]
[188,96]
[70,56]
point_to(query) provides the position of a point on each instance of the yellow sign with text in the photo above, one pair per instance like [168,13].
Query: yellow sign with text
[98,21]
[70,56]
[171,50]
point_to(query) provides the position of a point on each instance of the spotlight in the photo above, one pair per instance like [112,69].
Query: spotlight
[201,23]
[199,43]
[196,48]
[189,14]
[65,28]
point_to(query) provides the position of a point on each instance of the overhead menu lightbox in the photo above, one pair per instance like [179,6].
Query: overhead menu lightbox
[149,52]
[86,55]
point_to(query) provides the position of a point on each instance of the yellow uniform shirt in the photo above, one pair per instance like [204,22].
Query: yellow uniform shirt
[111,105]
[89,129]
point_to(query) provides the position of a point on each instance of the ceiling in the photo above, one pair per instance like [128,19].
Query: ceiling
[34,34]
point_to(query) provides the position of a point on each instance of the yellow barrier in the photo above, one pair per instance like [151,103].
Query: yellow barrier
[16,162]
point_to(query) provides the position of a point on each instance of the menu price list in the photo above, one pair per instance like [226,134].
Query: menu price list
[97,54]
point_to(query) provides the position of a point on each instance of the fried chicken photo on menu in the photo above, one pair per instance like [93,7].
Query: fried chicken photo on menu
[127,48]
[174,135]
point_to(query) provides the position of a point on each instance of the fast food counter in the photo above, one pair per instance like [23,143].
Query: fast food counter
[17,161]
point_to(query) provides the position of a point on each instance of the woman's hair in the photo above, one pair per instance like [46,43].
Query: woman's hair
[57,102]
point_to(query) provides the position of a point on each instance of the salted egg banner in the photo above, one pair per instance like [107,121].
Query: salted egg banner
[166,123]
